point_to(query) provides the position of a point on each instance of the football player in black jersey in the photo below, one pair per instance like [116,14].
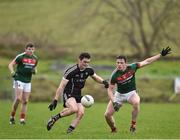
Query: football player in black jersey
[70,86]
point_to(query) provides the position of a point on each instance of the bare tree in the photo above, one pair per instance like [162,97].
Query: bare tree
[144,23]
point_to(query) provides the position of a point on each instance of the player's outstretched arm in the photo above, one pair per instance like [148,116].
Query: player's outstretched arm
[164,52]
[61,87]
[59,90]
[100,80]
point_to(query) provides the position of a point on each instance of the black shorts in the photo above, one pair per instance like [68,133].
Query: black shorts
[67,96]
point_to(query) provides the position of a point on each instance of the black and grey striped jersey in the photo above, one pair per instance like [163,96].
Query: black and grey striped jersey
[77,79]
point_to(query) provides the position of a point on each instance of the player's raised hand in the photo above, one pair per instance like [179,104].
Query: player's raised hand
[52,105]
[166,51]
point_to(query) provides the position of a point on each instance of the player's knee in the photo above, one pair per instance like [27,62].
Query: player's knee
[74,109]
[18,100]
[136,106]
[136,103]
[24,102]
[80,114]
[107,114]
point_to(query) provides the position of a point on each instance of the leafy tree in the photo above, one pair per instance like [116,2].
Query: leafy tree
[143,24]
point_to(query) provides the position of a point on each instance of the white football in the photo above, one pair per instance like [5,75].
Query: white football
[87,101]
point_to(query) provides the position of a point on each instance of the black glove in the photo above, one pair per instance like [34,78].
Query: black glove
[166,51]
[106,84]
[116,106]
[52,105]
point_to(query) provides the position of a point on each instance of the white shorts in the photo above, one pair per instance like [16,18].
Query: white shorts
[26,87]
[120,98]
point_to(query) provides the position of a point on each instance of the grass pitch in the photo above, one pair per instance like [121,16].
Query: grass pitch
[155,121]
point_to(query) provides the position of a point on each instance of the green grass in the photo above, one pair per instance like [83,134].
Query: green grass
[156,121]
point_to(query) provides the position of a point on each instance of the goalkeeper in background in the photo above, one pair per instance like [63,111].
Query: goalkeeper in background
[124,77]
[25,64]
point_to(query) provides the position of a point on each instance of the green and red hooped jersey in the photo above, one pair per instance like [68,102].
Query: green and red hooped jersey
[125,80]
[25,64]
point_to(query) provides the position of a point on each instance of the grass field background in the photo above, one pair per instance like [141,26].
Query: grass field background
[154,82]
[61,32]
[156,121]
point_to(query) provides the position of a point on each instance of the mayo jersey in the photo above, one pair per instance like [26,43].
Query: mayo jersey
[125,80]
[25,64]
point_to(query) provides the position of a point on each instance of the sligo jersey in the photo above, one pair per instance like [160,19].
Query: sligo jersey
[125,80]
[77,79]
[25,64]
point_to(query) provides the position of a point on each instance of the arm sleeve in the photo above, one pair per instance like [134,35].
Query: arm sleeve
[91,72]
[69,72]
[112,80]
[18,59]
[67,75]
[134,66]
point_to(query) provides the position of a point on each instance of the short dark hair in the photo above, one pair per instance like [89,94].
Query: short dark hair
[30,45]
[84,55]
[121,57]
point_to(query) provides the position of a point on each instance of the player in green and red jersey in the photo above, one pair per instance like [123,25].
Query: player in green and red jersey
[25,63]
[124,77]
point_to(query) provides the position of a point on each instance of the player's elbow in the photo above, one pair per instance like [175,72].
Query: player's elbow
[9,65]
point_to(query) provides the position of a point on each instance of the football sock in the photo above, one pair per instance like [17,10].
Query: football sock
[13,114]
[56,117]
[71,128]
[113,129]
[133,123]
[22,116]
